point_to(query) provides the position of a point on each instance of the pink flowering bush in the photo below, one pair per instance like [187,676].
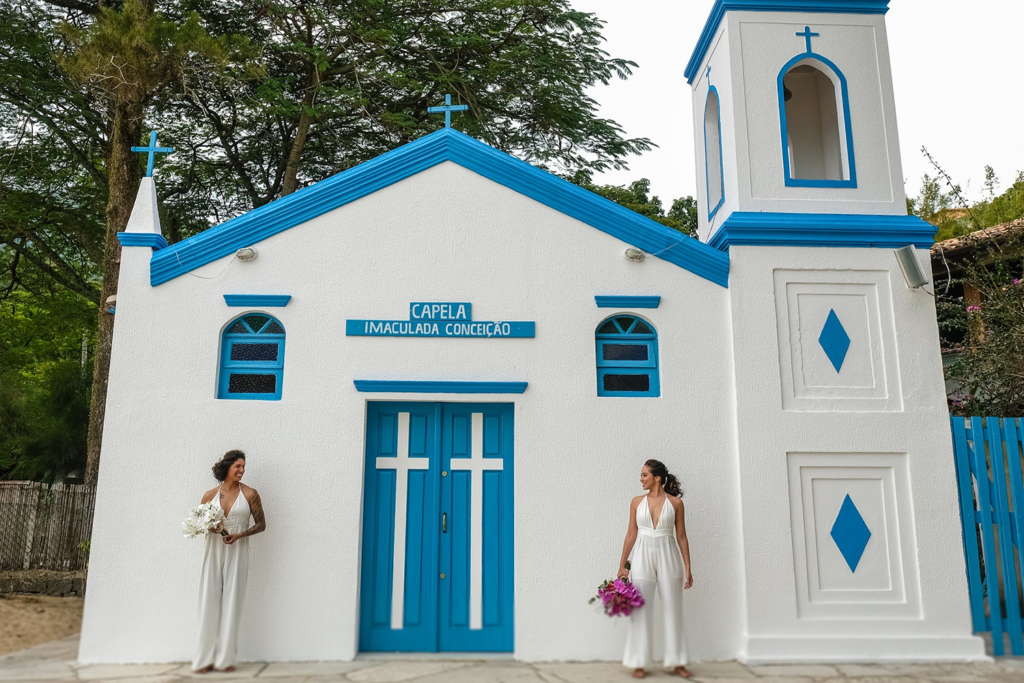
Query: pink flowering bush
[619,597]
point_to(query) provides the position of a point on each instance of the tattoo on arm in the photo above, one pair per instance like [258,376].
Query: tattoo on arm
[256,505]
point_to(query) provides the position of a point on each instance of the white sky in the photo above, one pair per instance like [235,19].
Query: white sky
[956,70]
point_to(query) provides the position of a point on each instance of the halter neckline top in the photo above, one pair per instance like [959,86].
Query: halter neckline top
[666,521]
[237,519]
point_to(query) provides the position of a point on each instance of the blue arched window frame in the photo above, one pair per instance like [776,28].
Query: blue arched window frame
[627,347]
[252,344]
[797,182]
[712,210]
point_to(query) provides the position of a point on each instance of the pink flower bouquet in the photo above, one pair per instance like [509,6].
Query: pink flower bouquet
[619,597]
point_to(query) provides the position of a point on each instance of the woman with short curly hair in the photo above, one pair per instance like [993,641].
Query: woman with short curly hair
[226,565]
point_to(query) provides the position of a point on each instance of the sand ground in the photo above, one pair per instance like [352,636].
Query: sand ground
[27,620]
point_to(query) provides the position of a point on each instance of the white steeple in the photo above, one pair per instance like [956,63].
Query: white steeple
[794,111]
[145,216]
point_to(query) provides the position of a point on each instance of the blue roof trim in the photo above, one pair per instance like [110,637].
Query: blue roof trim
[403,162]
[427,387]
[142,239]
[260,300]
[627,301]
[822,230]
[723,6]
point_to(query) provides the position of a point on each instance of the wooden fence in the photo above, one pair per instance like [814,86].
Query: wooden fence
[991,484]
[45,527]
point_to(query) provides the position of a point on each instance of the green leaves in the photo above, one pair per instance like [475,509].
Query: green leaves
[988,370]
[128,55]
[347,81]
[257,98]
[682,216]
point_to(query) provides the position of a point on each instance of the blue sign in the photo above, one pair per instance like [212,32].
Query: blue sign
[440,319]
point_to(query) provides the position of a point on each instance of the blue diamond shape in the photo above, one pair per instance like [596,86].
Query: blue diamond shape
[850,533]
[834,340]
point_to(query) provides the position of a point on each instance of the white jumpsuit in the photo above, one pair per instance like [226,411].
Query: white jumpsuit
[222,591]
[656,562]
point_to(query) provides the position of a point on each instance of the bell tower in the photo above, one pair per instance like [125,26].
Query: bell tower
[847,487]
[796,115]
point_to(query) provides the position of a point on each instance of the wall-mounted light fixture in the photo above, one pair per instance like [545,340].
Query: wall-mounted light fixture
[246,254]
[636,255]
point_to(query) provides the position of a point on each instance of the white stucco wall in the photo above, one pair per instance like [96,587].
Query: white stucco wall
[443,235]
[877,429]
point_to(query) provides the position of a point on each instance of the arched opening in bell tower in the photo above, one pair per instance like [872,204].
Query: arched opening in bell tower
[815,116]
[713,157]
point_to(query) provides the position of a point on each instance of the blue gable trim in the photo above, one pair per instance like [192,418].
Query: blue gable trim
[822,230]
[627,301]
[723,6]
[408,160]
[427,387]
[257,300]
[142,239]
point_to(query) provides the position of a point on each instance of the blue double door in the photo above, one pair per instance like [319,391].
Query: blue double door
[437,555]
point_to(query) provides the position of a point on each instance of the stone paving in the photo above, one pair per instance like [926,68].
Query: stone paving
[56,662]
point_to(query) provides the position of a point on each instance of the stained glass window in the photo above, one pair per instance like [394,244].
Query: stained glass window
[627,358]
[252,358]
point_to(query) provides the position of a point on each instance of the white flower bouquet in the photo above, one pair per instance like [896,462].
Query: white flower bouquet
[202,520]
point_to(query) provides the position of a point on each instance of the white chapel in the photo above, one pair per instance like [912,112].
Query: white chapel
[446,368]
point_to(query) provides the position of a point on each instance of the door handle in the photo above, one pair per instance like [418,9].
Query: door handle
[444,523]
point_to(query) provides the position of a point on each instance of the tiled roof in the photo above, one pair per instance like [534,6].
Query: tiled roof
[959,247]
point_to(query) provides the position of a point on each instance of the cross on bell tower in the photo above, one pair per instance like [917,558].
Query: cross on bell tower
[807,35]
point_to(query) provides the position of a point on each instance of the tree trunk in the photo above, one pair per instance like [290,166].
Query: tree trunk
[291,171]
[123,175]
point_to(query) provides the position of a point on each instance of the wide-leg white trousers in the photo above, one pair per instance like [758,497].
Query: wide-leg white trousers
[221,594]
[641,624]
[656,564]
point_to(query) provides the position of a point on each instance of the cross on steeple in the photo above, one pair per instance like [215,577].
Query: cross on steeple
[448,109]
[807,35]
[152,150]
[708,74]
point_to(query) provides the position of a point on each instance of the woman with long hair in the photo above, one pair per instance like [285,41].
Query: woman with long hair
[226,565]
[661,560]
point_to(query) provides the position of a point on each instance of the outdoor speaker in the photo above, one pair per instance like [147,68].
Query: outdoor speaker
[911,267]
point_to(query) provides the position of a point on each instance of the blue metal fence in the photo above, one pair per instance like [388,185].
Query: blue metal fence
[991,486]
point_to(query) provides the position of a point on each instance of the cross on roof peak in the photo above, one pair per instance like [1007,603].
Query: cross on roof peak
[448,108]
[152,150]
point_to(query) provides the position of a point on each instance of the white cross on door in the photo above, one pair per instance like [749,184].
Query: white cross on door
[401,464]
[476,464]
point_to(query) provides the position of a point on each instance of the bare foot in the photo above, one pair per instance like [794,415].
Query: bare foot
[684,672]
[638,673]
[205,669]
[227,670]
